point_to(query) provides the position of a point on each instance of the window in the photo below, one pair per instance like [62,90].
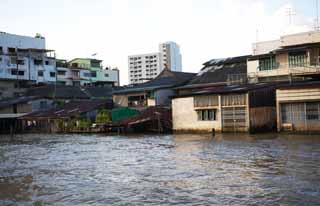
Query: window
[95,64]
[312,111]
[1,50]
[37,62]
[86,74]
[11,50]
[206,101]
[62,73]
[234,99]
[47,62]
[16,72]
[297,59]
[43,104]
[268,63]
[206,115]
[93,74]
[40,73]
[20,61]
[13,60]
[52,74]
[106,75]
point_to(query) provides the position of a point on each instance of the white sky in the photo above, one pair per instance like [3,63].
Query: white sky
[114,29]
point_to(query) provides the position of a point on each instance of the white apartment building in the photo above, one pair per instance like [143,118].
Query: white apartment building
[145,67]
[26,59]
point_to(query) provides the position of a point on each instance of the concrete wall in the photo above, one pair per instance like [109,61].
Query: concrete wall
[185,118]
[265,47]
[24,42]
[300,38]
[162,96]
[295,95]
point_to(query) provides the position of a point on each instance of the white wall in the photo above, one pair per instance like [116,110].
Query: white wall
[23,42]
[184,117]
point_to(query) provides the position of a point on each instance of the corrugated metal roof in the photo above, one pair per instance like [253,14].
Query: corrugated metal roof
[176,79]
[71,109]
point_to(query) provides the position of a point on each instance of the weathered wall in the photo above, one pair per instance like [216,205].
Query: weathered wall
[162,96]
[302,94]
[298,95]
[185,118]
[300,38]
[263,119]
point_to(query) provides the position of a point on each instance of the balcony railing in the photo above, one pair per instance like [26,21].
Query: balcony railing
[288,69]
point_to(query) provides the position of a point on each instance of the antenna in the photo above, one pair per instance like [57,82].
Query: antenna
[290,13]
[316,21]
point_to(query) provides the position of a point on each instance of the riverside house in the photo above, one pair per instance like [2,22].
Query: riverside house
[298,107]
[155,92]
[291,58]
[220,98]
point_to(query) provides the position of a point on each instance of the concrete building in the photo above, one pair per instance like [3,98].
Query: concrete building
[298,107]
[292,57]
[85,71]
[220,98]
[171,57]
[25,58]
[156,92]
[145,67]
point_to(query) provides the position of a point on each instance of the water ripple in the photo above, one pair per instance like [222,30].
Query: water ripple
[160,170]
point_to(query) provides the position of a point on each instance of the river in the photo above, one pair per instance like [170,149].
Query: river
[228,169]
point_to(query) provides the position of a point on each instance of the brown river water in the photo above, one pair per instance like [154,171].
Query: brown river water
[230,169]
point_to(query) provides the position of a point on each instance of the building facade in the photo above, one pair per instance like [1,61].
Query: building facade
[298,107]
[171,56]
[292,57]
[26,59]
[145,67]
[85,71]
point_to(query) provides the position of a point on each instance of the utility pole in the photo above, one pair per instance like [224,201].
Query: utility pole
[290,13]
[316,21]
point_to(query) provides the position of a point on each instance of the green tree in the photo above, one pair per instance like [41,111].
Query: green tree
[103,116]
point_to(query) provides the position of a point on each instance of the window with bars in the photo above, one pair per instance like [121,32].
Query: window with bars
[267,63]
[206,114]
[297,59]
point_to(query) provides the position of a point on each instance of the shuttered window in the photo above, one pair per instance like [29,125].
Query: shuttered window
[206,101]
[233,100]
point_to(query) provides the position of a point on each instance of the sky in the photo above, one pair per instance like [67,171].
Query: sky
[114,29]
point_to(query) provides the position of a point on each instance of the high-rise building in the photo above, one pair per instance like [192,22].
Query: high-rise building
[171,57]
[145,67]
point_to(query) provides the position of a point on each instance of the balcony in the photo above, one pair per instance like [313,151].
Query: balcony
[287,69]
